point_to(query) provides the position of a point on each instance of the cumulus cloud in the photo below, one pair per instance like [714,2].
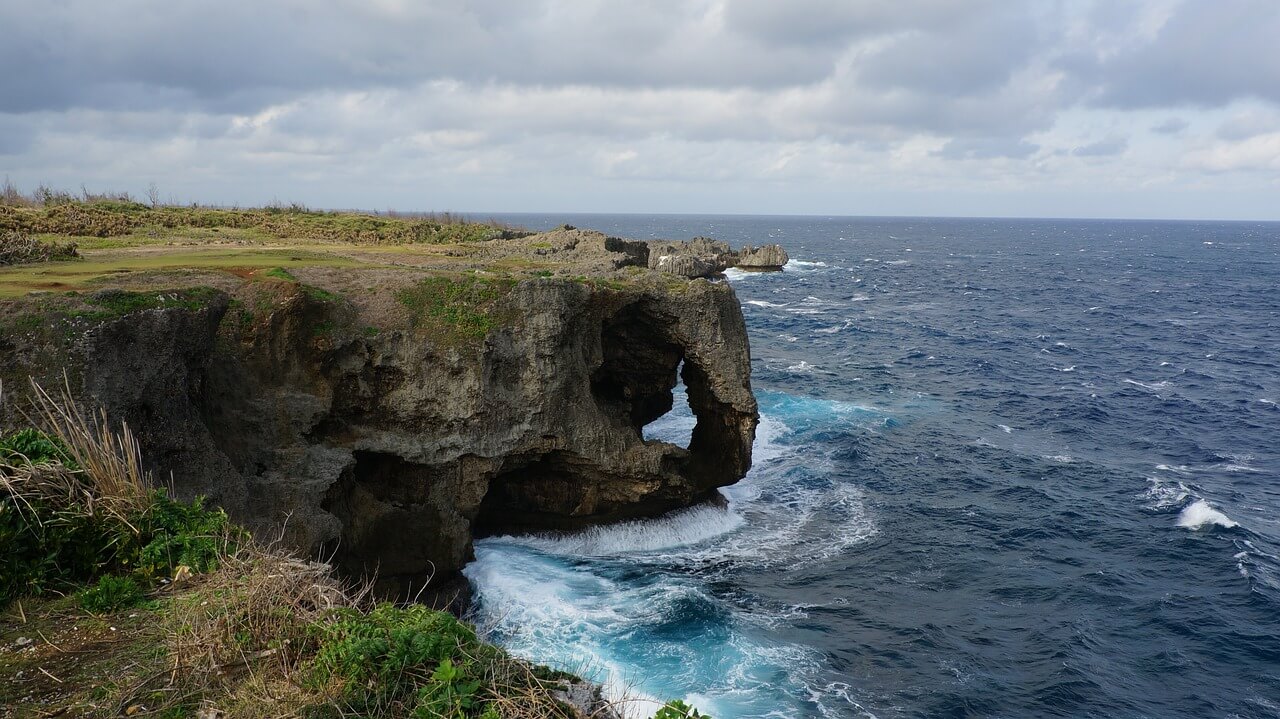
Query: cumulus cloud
[358,100]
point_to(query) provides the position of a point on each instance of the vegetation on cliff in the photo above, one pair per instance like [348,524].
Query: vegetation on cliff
[148,606]
[116,215]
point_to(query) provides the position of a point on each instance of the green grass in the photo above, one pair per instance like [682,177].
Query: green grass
[116,303]
[21,280]
[455,310]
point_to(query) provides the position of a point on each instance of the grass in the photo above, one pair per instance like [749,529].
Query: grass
[455,310]
[21,280]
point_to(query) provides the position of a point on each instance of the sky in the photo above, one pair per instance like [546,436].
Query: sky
[1066,108]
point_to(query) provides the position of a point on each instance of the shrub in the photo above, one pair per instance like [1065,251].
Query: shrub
[111,594]
[173,534]
[31,446]
[19,248]
[676,709]
[74,505]
[414,657]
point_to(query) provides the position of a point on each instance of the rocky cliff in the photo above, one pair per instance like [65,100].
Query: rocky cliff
[387,417]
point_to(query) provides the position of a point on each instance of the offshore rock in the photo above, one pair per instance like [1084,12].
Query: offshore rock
[766,257]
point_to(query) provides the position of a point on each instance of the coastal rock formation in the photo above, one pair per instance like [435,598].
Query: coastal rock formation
[373,436]
[766,257]
[704,257]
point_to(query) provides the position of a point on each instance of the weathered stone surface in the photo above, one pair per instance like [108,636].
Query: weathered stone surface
[390,451]
[766,257]
[688,266]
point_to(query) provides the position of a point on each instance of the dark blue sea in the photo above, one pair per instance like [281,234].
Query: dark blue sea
[1005,468]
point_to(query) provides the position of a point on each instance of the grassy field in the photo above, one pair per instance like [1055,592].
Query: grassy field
[118,239]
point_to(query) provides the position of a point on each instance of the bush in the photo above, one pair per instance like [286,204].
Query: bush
[31,446]
[111,594]
[676,709]
[413,658]
[19,248]
[174,534]
[57,529]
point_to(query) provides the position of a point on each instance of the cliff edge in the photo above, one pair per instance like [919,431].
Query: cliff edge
[386,405]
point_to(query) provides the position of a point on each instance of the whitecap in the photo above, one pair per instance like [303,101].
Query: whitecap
[766,304]
[1005,428]
[1162,495]
[677,529]
[1152,387]
[1062,458]
[1200,513]
[802,367]
[1072,368]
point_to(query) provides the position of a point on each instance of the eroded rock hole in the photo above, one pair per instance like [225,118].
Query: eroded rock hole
[676,426]
[638,371]
[394,524]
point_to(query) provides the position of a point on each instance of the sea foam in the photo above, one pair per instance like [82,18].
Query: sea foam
[1200,513]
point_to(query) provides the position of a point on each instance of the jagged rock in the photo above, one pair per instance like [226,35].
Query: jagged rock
[390,451]
[766,257]
[686,266]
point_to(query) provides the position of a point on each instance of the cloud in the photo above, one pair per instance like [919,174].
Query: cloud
[1101,148]
[987,148]
[1170,126]
[1205,54]
[679,98]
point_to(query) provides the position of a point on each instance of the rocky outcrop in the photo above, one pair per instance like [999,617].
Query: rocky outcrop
[704,257]
[390,449]
[766,257]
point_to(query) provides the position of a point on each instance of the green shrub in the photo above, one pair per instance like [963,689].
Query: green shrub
[54,541]
[676,709]
[174,533]
[33,446]
[52,548]
[111,594]
[414,657]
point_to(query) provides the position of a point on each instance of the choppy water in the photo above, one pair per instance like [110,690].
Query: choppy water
[1005,468]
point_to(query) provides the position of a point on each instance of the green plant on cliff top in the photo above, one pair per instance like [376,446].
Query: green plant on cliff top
[392,659]
[676,709]
[455,309]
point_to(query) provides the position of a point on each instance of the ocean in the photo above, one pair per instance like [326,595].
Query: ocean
[1005,468]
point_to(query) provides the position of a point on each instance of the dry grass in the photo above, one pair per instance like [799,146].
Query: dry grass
[19,248]
[107,476]
[109,462]
[239,637]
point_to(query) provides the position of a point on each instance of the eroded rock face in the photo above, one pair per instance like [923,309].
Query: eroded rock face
[390,451]
[765,257]
[703,257]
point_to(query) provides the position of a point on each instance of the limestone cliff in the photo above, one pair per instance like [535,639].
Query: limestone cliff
[388,428]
